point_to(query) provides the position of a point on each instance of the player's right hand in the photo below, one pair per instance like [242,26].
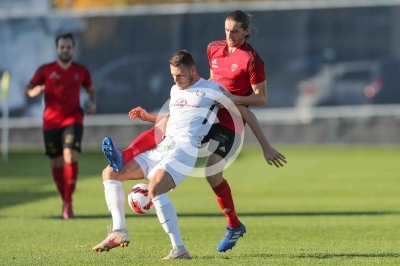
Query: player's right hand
[140,113]
[35,91]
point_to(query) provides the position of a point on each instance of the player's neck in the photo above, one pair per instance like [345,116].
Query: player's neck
[196,78]
[64,65]
[232,49]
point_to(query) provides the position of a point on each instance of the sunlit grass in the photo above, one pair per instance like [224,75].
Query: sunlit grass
[327,206]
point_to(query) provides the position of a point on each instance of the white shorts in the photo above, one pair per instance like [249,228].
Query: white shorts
[177,157]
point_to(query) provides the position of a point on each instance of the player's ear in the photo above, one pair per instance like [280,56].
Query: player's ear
[247,31]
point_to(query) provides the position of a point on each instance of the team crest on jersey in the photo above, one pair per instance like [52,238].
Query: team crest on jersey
[200,93]
[76,76]
[234,67]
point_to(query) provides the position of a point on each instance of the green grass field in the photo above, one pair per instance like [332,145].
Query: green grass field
[327,206]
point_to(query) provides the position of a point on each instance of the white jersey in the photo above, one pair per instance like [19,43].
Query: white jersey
[193,110]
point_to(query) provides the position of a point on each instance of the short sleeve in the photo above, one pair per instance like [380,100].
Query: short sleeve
[209,54]
[87,81]
[256,70]
[38,77]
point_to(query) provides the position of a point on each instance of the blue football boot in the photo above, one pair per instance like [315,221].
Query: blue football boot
[231,237]
[113,155]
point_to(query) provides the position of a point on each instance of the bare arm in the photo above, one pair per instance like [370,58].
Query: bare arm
[271,155]
[142,114]
[32,90]
[91,108]
[258,98]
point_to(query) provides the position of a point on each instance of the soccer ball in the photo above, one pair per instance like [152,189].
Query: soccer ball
[139,199]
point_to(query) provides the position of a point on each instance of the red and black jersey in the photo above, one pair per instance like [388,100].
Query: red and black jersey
[236,72]
[62,93]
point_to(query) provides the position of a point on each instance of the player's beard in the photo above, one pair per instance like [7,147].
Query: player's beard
[230,43]
[65,58]
[190,83]
[235,42]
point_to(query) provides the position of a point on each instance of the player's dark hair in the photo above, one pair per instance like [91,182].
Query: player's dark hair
[243,18]
[65,36]
[182,57]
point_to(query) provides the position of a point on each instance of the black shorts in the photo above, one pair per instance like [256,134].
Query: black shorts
[55,140]
[228,141]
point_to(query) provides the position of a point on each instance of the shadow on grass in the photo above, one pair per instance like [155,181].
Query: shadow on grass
[266,214]
[308,256]
[346,255]
[13,198]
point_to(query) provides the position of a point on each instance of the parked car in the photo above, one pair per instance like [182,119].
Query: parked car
[335,84]
[385,85]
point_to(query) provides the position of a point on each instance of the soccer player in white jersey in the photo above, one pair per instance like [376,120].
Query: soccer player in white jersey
[192,112]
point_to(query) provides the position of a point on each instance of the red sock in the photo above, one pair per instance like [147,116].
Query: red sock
[70,177]
[145,141]
[58,177]
[225,201]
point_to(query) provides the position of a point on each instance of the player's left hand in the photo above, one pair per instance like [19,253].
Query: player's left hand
[273,157]
[91,108]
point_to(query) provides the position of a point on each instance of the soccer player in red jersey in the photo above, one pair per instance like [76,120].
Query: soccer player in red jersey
[61,82]
[237,66]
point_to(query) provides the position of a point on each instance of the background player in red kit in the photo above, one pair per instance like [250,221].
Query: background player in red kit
[61,82]
[237,66]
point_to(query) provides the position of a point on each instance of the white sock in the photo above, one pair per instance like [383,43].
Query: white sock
[169,220]
[115,199]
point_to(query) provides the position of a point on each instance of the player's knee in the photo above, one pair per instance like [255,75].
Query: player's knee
[70,155]
[106,174]
[153,190]
[214,179]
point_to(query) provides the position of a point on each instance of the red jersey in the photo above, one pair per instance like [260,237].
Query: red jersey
[62,93]
[236,72]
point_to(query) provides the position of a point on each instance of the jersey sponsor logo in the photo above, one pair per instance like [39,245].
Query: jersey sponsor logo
[54,75]
[214,63]
[181,102]
[234,67]
[226,81]
[193,105]
[200,93]
[76,76]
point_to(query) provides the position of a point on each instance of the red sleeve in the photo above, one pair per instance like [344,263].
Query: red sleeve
[209,55]
[38,77]
[87,82]
[256,70]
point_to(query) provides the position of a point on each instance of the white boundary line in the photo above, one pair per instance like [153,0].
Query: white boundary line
[281,115]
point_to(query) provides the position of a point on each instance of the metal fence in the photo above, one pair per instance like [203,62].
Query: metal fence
[362,125]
